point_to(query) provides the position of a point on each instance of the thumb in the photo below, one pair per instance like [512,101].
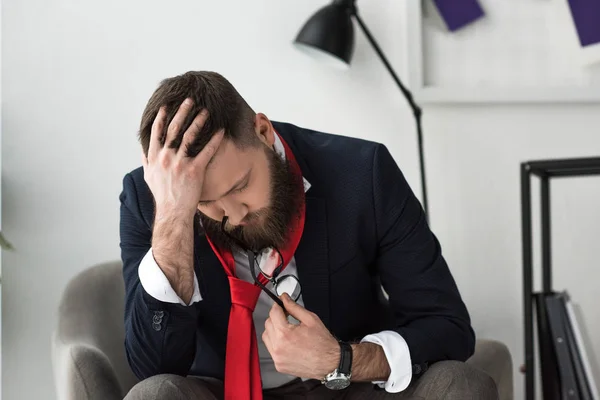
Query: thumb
[293,308]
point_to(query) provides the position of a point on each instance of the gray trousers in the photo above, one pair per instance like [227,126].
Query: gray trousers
[449,380]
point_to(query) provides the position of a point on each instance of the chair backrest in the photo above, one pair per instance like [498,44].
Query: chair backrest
[91,312]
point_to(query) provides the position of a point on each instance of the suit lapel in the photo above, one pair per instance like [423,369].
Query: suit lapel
[312,259]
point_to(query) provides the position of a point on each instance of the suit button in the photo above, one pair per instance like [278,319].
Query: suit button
[156,319]
[156,327]
[160,313]
[416,369]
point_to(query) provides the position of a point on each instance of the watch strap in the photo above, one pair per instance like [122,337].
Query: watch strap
[345,366]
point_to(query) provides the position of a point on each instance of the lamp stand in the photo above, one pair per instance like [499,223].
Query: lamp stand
[417,111]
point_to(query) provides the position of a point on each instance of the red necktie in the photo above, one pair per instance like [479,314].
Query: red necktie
[242,366]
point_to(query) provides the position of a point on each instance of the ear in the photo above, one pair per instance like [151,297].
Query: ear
[264,129]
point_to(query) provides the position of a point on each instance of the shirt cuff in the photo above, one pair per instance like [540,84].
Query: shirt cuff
[398,357]
[156,284]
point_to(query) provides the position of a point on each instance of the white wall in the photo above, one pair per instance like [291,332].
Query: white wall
[474,155]
[76,76]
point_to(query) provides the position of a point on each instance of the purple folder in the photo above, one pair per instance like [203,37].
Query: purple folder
[458,13]
[586,15]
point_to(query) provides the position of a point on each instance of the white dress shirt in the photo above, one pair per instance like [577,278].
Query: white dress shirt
[156,284]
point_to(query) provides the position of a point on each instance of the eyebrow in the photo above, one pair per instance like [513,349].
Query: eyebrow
[234,187]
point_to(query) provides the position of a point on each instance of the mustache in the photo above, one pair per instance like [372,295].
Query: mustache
[248,219]
[231,237]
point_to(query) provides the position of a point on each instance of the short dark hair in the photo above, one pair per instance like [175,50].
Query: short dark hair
[227,109]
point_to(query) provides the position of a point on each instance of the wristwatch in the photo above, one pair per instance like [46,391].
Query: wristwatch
[340,377]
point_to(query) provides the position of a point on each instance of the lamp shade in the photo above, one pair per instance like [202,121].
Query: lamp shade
[329,35]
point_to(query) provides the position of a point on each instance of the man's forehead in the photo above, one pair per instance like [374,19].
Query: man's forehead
[227,153]
[227,166]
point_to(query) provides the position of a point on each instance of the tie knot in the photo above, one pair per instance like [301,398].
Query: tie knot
[243,293]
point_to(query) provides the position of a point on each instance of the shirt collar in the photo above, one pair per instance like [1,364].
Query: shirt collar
[279,149]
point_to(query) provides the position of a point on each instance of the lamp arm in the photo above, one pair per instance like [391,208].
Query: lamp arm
[417,111]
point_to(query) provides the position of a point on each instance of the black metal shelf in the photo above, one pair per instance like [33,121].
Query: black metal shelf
[545,170]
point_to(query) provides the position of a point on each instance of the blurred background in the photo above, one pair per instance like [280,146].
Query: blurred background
[76,76]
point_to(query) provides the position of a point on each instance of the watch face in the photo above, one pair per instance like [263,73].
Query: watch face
[337,383]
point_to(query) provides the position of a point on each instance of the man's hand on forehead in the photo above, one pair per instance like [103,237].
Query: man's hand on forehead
[175,179]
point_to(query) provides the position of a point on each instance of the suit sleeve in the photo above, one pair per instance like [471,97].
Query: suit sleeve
[159,336]
[429,312]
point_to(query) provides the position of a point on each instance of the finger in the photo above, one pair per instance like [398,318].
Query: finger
[208,152]
[296,310]
[178,120]
[266,338]
[156,132]
[277,316]
[192,132]
[268,325]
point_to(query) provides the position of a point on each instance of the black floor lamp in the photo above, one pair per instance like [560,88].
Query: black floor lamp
[329,35]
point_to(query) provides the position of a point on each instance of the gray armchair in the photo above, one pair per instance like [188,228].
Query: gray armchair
[88,353]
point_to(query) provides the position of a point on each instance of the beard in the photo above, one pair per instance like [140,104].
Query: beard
[269,226]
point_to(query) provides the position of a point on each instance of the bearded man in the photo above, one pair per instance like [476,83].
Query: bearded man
[264,260]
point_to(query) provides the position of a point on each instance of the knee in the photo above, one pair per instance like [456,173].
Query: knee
[458,380]
[165,386]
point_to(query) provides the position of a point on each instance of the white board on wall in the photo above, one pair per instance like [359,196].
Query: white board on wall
[521,51]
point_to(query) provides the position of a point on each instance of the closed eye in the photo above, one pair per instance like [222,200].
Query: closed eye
[236,189]
[240,190]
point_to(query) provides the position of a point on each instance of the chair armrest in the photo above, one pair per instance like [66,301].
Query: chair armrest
[83,372]
[88,344]
[494,358]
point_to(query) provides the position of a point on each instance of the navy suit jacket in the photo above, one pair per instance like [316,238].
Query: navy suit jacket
[364,230]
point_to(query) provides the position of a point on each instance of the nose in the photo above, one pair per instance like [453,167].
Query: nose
[234,211]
